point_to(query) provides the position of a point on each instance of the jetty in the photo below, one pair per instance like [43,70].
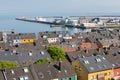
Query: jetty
[34,20]
[75,23]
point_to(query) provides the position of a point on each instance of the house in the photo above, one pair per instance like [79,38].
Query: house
[68,46]
[24,58]
[72,56]
[87,44]
[60,70]
[50,37]
[18,73]
[106,43]
[55,36]
[2,46]
[93,68]
[20,38]
[113,57]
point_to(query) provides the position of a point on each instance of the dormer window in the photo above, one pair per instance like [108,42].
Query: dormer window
[44,37]
[30,53]
[25,69]
[12,72]
[98,59]
[60,35]
[42,52]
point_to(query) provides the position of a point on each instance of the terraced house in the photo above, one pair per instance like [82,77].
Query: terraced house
[93,68]
[21,38]
[47,71]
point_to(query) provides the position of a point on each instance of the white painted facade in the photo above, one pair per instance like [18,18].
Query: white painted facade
[17,41]
[67,37]
[52,40]
[89,24]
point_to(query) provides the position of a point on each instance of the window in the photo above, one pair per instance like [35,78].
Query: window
[14,78]
[109,73]
[95,77]
[118,73]
[25,69]
[24,78]
[92,77]
[70,78]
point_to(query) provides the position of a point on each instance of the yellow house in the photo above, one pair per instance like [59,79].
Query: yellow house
[28,37]
[28,40]
[93,68]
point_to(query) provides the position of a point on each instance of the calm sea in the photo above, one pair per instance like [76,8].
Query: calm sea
[8,22]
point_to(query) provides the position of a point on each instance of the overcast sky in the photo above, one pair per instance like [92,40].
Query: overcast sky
[59,6]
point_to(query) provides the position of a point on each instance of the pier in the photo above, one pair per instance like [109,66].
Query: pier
[55,24]
[33,20]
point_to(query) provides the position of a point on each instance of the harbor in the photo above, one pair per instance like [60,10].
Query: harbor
[77,22]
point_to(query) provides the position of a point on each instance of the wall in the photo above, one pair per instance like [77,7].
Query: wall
[107,75]
[82,73]
[27,40]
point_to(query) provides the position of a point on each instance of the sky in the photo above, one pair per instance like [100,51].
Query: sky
[59,7]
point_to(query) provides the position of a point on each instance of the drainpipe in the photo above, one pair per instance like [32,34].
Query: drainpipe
[113,72]
[3,71]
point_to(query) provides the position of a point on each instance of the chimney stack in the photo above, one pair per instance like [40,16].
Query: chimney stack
[4,74]
[60,65]
[86,51]
[99,50]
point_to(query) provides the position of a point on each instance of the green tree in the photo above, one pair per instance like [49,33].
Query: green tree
[7,64]
[56,53]
[42,60]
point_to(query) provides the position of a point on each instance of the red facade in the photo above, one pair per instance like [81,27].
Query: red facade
[117,73]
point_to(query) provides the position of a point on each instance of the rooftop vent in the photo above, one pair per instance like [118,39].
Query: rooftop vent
[91,68]
[114,54]
[119,52]
[41,75]
[94,54]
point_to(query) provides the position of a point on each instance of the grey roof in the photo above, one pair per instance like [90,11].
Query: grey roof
[113,56]
[48,71]
[24,56]
[109,42]
[20,36]
[95,63]
[44,71]
[37,45]
[76,55]
[53,34]
[1,76]
[2,45]
[19,72]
